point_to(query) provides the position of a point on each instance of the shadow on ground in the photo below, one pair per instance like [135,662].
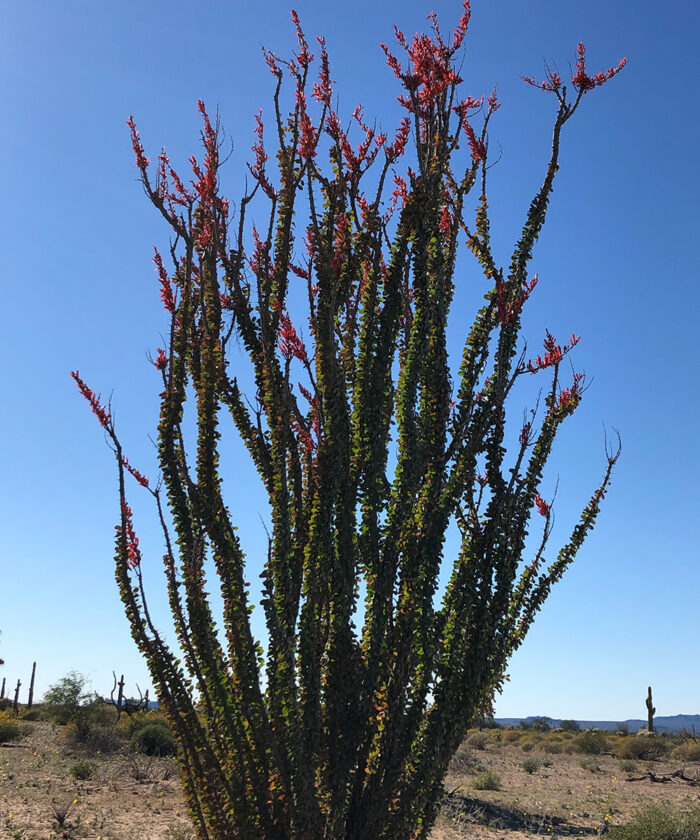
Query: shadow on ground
[463,810]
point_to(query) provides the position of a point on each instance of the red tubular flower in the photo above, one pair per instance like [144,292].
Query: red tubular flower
[304,57]
[141,160]
[139,476]
[166,290]
[341,235]
[132,541]
[581,80]
[98,409]
[161,361]
[542,506]
[430,72]
[322,90]
[476,144]
[507,310]
[308,138]
[554,353]
[257,170]
[396,149]
[462,25]
[445,221]
[525,432]
[290,345]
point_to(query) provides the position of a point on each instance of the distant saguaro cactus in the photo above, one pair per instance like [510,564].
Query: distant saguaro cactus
[369,443]
[651,711]
[30,699]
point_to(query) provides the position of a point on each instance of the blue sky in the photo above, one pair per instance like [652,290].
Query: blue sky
[616,261]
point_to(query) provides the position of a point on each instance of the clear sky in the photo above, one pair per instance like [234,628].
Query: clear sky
[617,264]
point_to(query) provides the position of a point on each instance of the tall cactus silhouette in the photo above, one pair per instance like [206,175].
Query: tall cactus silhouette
[369,445]
[651,711]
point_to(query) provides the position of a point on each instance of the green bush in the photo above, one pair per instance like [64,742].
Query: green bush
[589,764]
[478,741]
[552,747]
[154,739]
[488,780]
[689,751]
[645,747]
[591,742]
[531,765]
[9,728]
[129,724]
[570,726]
[67,701]
[82,770]
[660,822]
[628,765]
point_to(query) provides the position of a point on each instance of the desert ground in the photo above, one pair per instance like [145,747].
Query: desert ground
[546,787]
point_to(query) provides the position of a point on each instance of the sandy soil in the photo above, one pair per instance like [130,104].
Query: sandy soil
[136,798]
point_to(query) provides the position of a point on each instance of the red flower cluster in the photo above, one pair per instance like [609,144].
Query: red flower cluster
[542,506]
[396,149]
[554,353]
[257,170]
[322,90]
[476,144]
[431,72]
[340,244]
[141,160]
[308,137]
[161,361]
[445,220]
[525,432]
[568,398]
[304,57]
[140,477]
[98,409]
[290,345]
[166,289]
[132,541]
[507,310]
[580,79]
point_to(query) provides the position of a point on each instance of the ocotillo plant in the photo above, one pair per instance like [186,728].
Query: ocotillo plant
[368,443]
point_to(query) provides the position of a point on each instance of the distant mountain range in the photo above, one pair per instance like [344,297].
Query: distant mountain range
[671,723]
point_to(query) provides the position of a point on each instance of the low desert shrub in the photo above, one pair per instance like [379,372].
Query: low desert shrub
[531,765]
[129,724]
[628,765]
[154,739]
[67,700]
[488,780]
[34,714]
[9,728]
[589,764]
[570,726]
[478,741]
[552,747]
[660,822]
[92,739]
[463,760]
[689,751]
[510,736]
[83,770]
[591,742]
[644,747]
